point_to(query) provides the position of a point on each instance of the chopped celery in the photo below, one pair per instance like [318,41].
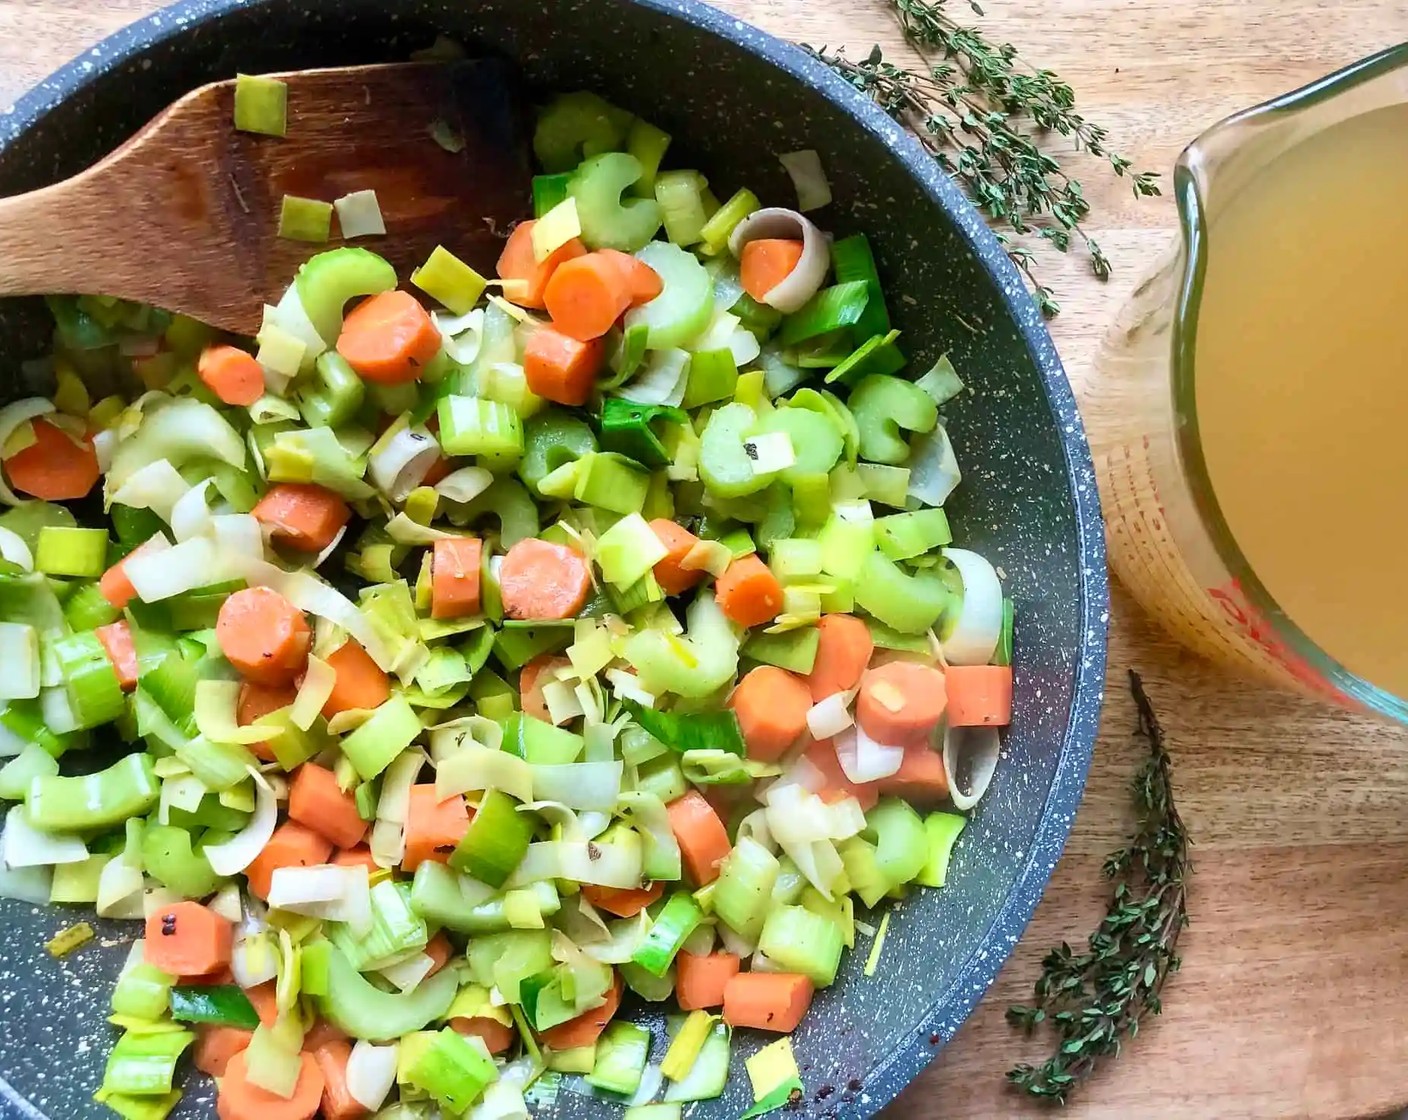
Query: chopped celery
[453,1069]
[71,552]
[713,376]
[354,1005]
[305,219]
[901,845]
[816,439]
[679,917]
[628,550]
[876,355]
[324,285]
[882,406]
[725,467]
[794,650]
[852,259]
[578,125]
[612,482]
[743,891]
[941,832]
[261,105]
[127,788]
[683,309]
[497,838]
[648,144]
[621,1055]
[799,940]
[552,439]
[609,221]
[390,730]
[681,198]
[911,604]
[446,278]
[904,536]
[144,1064]
[475,426]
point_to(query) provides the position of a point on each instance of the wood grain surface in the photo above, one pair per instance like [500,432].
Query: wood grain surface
[1291,1002]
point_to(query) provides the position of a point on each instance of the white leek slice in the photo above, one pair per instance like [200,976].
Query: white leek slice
[327,891]
[465,484]
[371,1072]
[169,572]
[806,279]
[291,317]
[829,717]
[23,845]
[31,884]
[227,904]
[865,760]
[393,807]
[809,177]
[478,768]
[11,417]
[237,533]
[579,785]
[970,760]
[589,863]
[178,432]
[404,530]
[933,468]
[359,215]
[313,693]
[216,712]
[662,381]
[462,335]
[190,516]
[237,853]
[157,487]
[626,937]
[104,444]
[406,974]
[13,549]
[402,463]
[627,686]
[19,661]
[972,638]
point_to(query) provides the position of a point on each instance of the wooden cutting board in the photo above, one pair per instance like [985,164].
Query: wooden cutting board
[1291,1002]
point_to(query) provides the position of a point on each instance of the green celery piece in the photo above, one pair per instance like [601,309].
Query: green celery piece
[743,890]
[80,553]
[169,857]
[651,988]
[878,354]
[882,406]
[19,773]
[335,395]
[724,465]
[831,309]
[539,742]
[677,919]
[790,884]
[127,788]
[305,219]
[515,646]
[475,426]
[440,897]
[223,1005]
[392,728]
[608,220]
[143,992]
[862,870]
[648,144]
[725,220]
[496,841]
[816,439]
[692,666]
[713,376]
[27,519]
[505,960]
[799,940]
[621,1056]
[852,259]
[684,307]
[612,482]
[353,1005]
[681,198]
[144,1064]
[626,429]
[552,439]
[506,500]
[941,832]
[627,351]
[135,526]
[261,105]
[94,693]
[910,604]
[662,778]
[840,910]
[574,126]
[903,536]
[329,280]
[901,845]
[795,650]
[453,1071]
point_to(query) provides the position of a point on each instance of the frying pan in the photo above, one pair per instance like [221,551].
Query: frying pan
[733,98]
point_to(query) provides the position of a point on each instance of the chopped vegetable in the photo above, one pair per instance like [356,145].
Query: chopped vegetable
[261,105]
[305,219]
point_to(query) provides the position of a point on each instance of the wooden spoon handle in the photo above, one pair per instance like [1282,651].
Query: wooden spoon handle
[50,243]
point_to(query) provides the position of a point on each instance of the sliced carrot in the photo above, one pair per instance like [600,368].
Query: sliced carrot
[530,689]
[360,683]
[543,580]
[495,1036]
[771,705]
[979,695]
[837,786]
[921,776]
[767,1001]
[321,1033]
[316,800]
[669,574]
[766,263]
[389,338]
[117,644]
[586,296]
[455,577]
[115,587]
[702,837]
[623,903]
[642,282]
[263,635]
[748,592]
[257,701]
[900,701]
[439,949]
[187,939]
[700,980]
[215,1046]
[338,1102]
[360,856]
[434,828]
[292,845]
[586,1028]
[302,515]
[53,467]
[843,651]
[241,1099]
[560,368]
[231,374]
[517,262]
[265,1000]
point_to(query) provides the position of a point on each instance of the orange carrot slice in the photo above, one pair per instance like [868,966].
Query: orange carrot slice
[389,338]
[561,368]
[771,705]
[530,690]
[231,374]
[837,787]
[748,592]
[672,578]
[337,1100]
[241,1099]
[360,683]
[292,845]
[700,980]
[767,1001]
[53,467]
[543,580]
[455,577]
[979,695]
[434,827]
[263,635]
[255,702]
[643,283]
[518,263]
[186,939]
[843,651]
[302,515]
[900,702]
[116,638]
[921,777]
[495,1036]
[215,1046]
[624,903]
[360,856]
[315,799]
[586,295]
[702,837]
[766,263]
[586,1028]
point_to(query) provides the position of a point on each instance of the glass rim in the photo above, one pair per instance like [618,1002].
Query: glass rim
[1192,217]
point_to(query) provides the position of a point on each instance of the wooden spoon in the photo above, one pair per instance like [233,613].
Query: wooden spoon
[185,215]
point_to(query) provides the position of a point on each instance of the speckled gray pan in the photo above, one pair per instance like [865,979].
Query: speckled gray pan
[733,98]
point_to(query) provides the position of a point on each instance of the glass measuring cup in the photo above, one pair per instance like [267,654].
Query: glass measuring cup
[1168,540]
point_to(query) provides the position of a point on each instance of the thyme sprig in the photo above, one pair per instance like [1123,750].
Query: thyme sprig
[984,116]
[1096,1000]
